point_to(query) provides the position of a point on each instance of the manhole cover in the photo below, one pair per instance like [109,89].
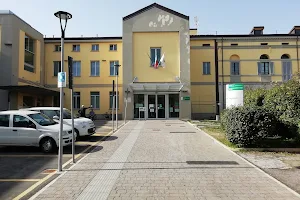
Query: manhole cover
[182,132]
[211,162]
[48,171]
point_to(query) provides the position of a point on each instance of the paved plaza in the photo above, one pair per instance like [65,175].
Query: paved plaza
[168,159]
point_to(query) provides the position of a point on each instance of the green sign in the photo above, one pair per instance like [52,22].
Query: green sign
[186,98]
[237,86]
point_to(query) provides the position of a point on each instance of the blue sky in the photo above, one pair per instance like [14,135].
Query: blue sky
[104,17]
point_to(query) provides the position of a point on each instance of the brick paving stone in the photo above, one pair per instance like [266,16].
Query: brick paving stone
[146,164]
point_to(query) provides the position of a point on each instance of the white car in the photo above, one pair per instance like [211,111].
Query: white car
[31,128]
[82,126]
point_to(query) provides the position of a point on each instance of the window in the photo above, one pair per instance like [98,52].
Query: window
[76,100]
[285,43]
[4,120]
[206,45]
[28,101]
[264,44]
[265,67]
[56,67]
[76,68]
[234,44]
[113,47]
[112,68]
[50,113]
[95,47]
[21,121]
[76,47]
[111,100]
[95,99]
[29,54]
[235,68]
[206,68]
[155,55]
[286,67]
[95,68]
[57,48]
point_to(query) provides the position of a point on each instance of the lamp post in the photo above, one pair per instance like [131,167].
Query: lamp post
[117,74]
[63,16]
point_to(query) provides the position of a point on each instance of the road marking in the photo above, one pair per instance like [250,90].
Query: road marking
[19,180]
[51,174]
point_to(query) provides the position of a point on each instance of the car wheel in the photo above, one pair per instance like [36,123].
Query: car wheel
[48,145]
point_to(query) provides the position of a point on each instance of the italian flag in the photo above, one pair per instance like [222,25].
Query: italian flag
[156,62]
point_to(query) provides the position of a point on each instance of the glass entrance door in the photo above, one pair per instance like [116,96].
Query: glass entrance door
[161,106]
[151,106]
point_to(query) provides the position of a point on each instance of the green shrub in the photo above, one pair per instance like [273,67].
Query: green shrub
[254,97]
[247,126]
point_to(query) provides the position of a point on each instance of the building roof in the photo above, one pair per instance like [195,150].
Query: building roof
[155,5]
[55,39]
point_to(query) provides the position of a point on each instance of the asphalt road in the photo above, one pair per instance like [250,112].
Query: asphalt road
[24,167]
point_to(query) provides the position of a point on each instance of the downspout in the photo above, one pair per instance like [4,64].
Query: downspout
[217,82]
[297,53]
[223,95]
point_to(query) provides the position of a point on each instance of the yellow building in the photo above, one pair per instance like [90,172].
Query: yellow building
[165,67]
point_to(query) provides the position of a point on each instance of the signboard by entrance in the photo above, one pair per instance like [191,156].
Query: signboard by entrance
[142,109]
[234,95]
[61,80]
[185,98]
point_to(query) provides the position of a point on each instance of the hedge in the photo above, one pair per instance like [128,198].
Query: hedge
[246,126]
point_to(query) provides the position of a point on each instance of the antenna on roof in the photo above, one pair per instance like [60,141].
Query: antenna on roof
[97,35]
[196,22]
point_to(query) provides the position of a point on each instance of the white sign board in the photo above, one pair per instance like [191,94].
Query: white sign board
[234,95]
[61,80]
[142,109]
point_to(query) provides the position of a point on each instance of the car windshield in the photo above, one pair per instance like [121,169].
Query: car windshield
[67,114]
[42,119]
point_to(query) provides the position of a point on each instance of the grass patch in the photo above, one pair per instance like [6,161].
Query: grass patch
[218,134]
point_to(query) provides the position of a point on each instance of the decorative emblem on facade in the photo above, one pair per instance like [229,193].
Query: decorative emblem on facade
[162,20]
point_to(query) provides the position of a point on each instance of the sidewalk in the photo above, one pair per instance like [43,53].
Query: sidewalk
[150,160]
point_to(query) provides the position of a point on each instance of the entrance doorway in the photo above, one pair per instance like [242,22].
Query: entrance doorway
[157,106]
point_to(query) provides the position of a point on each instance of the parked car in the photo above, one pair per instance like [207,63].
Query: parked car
[31,128]
[82,126]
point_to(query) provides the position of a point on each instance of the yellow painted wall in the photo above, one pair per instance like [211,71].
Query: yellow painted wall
[193,32]
[203,98]
[34,77]
[169,43]
[198,56]
[85,56]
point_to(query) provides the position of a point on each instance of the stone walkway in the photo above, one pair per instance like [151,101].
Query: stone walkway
[164,160]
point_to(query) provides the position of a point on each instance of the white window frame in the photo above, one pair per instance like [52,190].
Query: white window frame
[114,47]
[206,66]
[155,54]
[94,98]
[95,67]
[75,68]
[76,96]
[57,48]
[77,47]
[97,47]
[29,51]
[115,62]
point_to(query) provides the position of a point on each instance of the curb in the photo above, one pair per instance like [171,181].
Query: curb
[254,166]
[63,173]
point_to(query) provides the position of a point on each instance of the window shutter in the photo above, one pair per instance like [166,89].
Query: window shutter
[152,52]
[259,68]
[271,67]
[232,68]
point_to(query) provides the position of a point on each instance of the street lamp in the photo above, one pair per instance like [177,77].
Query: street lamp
[117,74]
[63,16]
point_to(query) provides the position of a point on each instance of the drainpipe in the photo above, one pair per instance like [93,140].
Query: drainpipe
[297,52]
[223,95]
[217,82]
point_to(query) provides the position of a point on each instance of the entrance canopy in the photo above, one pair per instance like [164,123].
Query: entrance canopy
[30,89]
[156,87]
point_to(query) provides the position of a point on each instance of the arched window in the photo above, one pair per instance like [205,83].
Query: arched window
[285,56]
[235,65]
[264,56]
[286,67]
[265,67]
